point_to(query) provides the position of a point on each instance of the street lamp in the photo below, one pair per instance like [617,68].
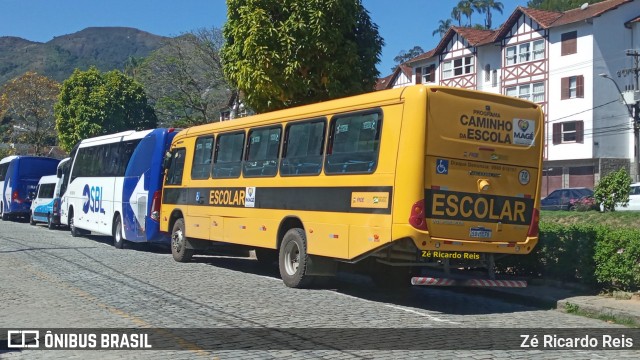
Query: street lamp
[636,124]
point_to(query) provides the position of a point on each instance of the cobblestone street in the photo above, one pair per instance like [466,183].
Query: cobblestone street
[52,280]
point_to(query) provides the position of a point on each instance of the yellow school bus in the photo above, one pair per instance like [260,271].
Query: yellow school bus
[396,180]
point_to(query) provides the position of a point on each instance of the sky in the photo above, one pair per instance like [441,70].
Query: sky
[402,24]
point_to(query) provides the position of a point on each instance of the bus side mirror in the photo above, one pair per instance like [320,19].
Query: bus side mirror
[167,161]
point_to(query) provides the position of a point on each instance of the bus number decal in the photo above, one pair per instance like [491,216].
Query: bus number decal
[475,207]
[93,200]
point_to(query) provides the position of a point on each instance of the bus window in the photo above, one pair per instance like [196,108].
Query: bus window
[174,174]
[3,170]
[262,152]
[228,157]
[202,158]
[354,142]
[302,153]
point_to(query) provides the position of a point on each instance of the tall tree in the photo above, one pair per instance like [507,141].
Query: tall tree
[487,7]
[443,26]
[28,100]
[559,5]
[404,56]
[184,79]
[456,15]
[465,7]
[294,52]
[92,103]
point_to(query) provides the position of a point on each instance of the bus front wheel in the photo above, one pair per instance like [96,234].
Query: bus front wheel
[179,243]
[118,241]
[293,259]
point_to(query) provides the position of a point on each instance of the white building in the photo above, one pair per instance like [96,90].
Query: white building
[554,59]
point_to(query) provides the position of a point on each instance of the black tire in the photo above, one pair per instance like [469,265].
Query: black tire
[75,232]
[5,216]
[179,243]
[293,259]
[118,240]
[50,223]
[31,221]
[266,257]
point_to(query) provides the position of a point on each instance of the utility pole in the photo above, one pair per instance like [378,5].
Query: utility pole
[636,104]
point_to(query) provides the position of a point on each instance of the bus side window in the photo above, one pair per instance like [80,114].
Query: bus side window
[228,156]
[263,148]
[174,174]
[302,153]
[201,166]
[354,143]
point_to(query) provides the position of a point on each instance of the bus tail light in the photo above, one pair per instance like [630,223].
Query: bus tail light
[534,228]
[154,213]
[417,218]
[56,206]
[15,197]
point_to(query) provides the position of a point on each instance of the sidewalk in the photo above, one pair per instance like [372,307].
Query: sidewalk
[574,300]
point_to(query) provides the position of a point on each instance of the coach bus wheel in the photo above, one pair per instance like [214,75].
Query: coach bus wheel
[50,223]
[266,257]
[4,215]
[118,241]
[293,259]
[179,243]
[72,226]
[31,221]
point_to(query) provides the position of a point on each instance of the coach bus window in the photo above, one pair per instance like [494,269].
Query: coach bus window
[262,152]
[174,174]
[202,158]
[354,142]
[3,170]
[302,153]
[228,156]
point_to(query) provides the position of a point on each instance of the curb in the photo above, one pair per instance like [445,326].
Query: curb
[595,310]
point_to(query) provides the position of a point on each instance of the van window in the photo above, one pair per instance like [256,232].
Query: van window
[228,156]
[46,191]
[263,148]
[354,143]
[302,153]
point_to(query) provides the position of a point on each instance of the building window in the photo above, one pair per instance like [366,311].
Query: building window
[457,67]
[494,78]
[569,43]
[487,73]
[429,74]
[524,52]
[568,132]
[572,87]
[532,92]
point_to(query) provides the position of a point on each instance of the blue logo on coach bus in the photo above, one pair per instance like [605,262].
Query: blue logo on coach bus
[93,202]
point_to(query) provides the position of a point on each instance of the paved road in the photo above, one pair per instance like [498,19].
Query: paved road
[49,279]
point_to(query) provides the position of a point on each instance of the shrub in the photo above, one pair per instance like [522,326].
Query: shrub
[613,189]
[617,259]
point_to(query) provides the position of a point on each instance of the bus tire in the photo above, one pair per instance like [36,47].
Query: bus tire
[75,232]
[118,240]
[31,221]
[293,259]
[4,216]
[50,223]
[179,243]
[266,257]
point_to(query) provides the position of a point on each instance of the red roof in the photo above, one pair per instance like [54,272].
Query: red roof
[387,82]
[429,54]
[593,10]
[634,20]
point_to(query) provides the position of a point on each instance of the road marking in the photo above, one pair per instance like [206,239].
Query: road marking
[428,316]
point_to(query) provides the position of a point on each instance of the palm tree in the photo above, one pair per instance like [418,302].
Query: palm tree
[456,15]
[443,26]
[465,7]
[485,7]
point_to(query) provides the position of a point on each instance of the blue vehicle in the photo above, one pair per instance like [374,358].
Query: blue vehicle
[21,176]
[46,205]
[114,186]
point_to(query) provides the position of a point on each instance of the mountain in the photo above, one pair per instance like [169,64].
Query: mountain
[107,48]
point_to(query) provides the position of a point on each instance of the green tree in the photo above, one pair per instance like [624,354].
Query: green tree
[293,52]
[28,101]
[92,103]
[613,189]
[404,56]
[487,7]
[559,5]
[184,79]
[456,15]
[443,26]
[466,8]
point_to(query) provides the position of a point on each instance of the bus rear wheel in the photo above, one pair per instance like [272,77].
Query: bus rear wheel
[50,223]
[118,241]
[293,259]
[3,214]
[179,243]
[75,232]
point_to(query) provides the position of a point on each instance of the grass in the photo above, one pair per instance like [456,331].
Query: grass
[576,310]
[615,219]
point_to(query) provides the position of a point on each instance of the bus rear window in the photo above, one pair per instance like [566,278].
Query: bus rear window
[46,191]
[354,143]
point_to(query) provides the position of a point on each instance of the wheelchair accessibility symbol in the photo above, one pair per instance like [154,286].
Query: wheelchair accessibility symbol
[442,167]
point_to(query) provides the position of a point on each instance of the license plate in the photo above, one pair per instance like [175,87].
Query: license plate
[480,232]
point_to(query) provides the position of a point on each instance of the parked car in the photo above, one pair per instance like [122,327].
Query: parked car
[565,199]
[45,207]
[634,199]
